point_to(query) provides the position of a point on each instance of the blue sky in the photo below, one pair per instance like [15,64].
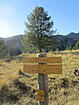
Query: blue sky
[13,14]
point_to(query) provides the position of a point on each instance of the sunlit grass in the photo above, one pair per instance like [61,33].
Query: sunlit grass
[9,71]
[3,82]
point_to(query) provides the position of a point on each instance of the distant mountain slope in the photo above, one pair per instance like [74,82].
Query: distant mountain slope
[14,44]
[65,41]
[1,38]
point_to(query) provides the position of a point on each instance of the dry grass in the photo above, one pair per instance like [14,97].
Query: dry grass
[62,91]
[2,82]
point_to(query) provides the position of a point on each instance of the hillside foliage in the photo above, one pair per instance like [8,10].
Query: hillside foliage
[3,50]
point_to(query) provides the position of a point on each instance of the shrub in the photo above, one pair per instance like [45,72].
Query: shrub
[65,83]
[21,86]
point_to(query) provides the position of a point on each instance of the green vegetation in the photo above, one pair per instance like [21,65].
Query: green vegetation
[39,32]
[77,45]
[74,47]
[3,50]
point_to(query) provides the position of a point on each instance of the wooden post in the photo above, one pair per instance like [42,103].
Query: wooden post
[43,83]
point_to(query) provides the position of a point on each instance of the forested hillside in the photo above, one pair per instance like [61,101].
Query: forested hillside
[64,42]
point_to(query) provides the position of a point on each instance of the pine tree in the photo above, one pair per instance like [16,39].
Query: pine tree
[39,33]
[77,45]
[3,50]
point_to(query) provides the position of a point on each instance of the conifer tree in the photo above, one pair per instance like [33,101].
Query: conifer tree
[39,33]
[3,50]
[77,45]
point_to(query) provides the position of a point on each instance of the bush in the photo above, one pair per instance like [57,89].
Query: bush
[21,86]
[74,83]
[65,83]
[57,49]
[12,97]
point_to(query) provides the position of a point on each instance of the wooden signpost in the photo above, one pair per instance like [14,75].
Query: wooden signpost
[43,65]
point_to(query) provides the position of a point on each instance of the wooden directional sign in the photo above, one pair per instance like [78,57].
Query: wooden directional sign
[45,69]
[42,60]
[53,65]
[41,96]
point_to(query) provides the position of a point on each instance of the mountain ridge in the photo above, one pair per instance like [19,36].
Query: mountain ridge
[15,46]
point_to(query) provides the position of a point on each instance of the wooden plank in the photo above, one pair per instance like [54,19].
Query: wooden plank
[42,68]
[42,60]
[41,96]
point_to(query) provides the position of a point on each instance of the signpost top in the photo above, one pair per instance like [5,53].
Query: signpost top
[42,60]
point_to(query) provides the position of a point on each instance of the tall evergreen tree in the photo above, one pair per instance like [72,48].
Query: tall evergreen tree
[77,45]
[38,33]
[3,50]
